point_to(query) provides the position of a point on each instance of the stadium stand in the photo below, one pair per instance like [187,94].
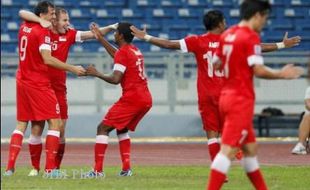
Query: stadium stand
[175,18]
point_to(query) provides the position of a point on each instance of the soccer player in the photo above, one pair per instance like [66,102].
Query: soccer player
[209,81]
[304,127]
[36,100]
[239,55]
[62,37]
[134,103]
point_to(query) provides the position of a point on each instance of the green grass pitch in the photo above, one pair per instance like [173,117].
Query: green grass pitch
[159,178]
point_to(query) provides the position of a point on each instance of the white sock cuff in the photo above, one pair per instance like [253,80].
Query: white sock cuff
[34,140]
[18,132]
[102,139]
[53,133]
[212,141]
[250,164]
[123,136]
[221,163]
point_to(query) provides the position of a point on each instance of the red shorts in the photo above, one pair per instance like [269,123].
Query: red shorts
[210,115]
[35,104]
[237,114]
[60,88]
[63,103]
[127,112]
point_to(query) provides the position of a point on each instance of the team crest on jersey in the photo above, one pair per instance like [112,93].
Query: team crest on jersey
[257,49]
[47,40]
[213,44]
[62,38]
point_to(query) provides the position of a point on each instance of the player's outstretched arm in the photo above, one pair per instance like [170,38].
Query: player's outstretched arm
[86,35]
[109,47]
[164,43]
[56,63]
[114,78]
[31,17]
[289,71]
[286,43]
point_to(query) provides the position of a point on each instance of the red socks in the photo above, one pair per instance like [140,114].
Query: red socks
[219,169]
[250,165]
[35,149]
[15,146]
[51,148]
[60,152]
[124,148]
[100,148]
[214,147]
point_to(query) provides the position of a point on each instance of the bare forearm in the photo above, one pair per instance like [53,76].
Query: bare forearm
[87,35]
[29,16]
[109,47]
[56,63]
[164,43]
[266,72]
[268,47]
[307,104]
[108,78]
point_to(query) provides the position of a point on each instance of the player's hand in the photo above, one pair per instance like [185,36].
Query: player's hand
[290,71]
[138,33]
[79,70]
[91,71]
[45,23]
[291,42]
[94,28]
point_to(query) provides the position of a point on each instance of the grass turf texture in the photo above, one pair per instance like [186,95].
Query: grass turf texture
[159,178]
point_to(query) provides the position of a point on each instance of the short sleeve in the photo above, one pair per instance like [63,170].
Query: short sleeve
[120,61]
[44,39]
[254,51]
[74,36]
[189,44]
[307,95]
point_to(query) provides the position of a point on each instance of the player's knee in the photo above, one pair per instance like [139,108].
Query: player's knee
[250,150]
[104,130]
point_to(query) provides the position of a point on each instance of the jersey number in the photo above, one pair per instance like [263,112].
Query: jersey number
[209,56]
[22,48]
[227,50]
[140,68]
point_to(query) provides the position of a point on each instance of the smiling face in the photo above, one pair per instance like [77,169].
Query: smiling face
[62,23]
[50,15]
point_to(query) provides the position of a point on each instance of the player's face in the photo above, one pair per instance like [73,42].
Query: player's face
[116,37]
[63,23]
[261,20]
[50,15]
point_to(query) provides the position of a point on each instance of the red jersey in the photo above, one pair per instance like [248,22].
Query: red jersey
[239,49]
[130,61]
[209,81]
[61,44]
[32,70]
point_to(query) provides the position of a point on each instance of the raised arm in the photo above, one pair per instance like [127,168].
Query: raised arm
[289,71]
[109,47]
[86,35]
[31,17]
[164,43]
[114,78]
[286,43]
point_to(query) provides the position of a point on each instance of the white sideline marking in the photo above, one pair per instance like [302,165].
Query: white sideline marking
[164,140]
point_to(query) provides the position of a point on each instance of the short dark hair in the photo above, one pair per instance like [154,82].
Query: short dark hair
[212,19]
[42,7]
[60,10]
[124,29]
[250,7]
